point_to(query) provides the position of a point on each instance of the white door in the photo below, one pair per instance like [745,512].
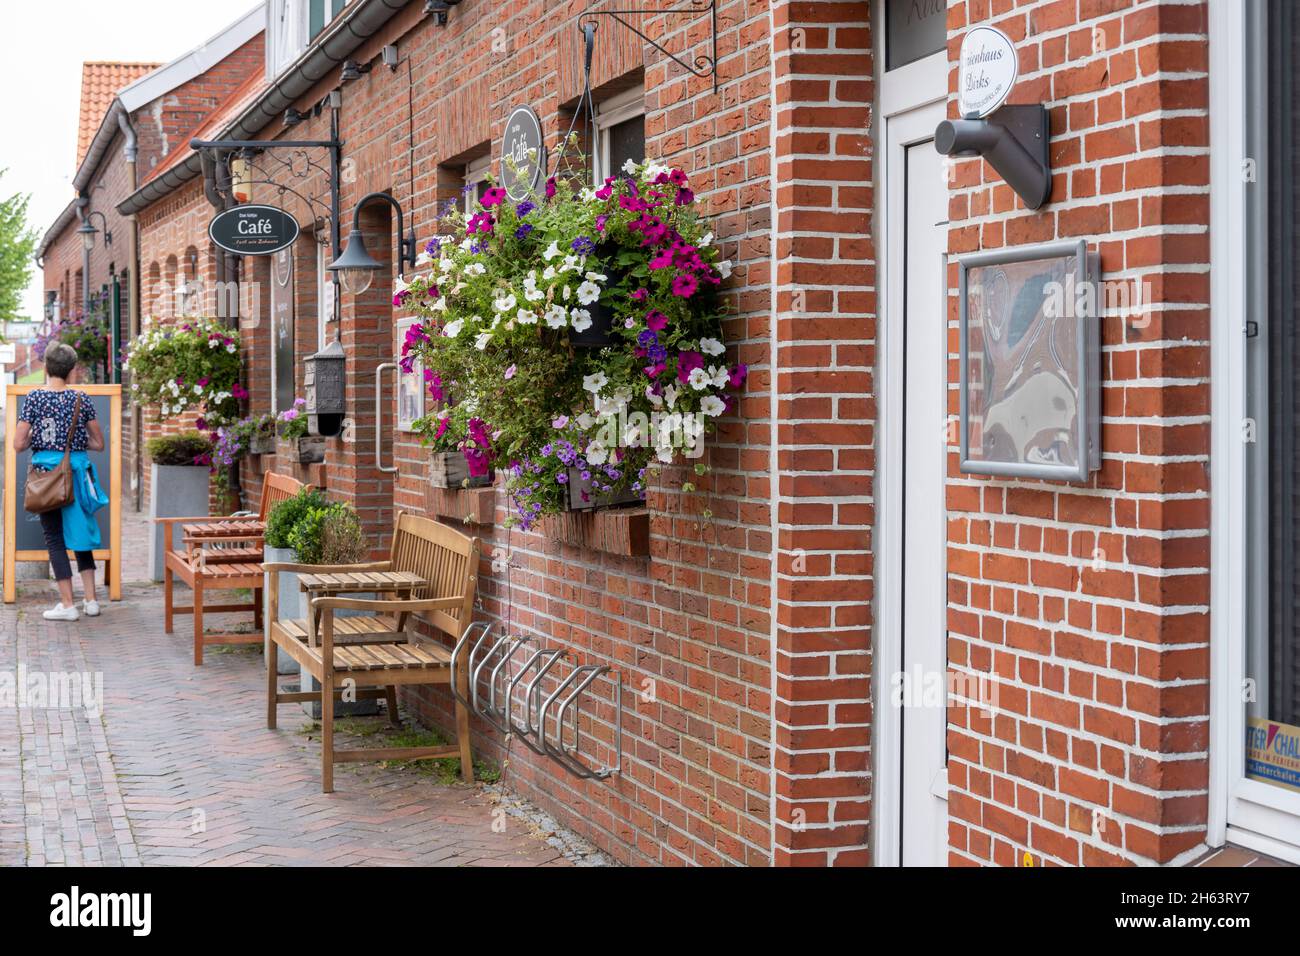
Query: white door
[912,823]
[924,800]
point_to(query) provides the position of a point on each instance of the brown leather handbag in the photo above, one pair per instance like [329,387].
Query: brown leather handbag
[51,490]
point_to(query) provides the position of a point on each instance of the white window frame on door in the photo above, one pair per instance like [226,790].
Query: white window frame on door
[476,171]
[1242,811]
[609,113]
[324,295]
[900,91]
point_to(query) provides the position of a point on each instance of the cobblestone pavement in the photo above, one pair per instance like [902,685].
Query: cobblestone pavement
[180,768]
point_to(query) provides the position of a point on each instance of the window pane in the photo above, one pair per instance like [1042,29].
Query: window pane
[1273,652]
[626,141]
[315,17]
[914,29]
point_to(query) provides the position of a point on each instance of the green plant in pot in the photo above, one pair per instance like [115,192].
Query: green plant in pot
[280,524]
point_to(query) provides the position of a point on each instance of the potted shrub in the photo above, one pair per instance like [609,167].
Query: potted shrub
[331,533]
[508,307]
[295,444]
[280,524]
[178,486]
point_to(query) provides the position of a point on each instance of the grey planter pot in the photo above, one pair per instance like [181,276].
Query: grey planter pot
[176,491]
[290,599]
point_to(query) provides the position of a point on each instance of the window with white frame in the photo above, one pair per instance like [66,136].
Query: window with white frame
[291,27]
[476,176]
[410,383]
[620,132]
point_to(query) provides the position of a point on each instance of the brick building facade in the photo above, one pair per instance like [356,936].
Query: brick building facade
[759,649]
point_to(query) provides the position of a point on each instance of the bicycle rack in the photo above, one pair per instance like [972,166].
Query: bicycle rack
[508,687]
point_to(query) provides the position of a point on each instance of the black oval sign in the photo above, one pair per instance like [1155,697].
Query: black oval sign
[523,158]
[253,230]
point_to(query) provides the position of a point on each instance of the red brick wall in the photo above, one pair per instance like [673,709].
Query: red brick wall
[1089,603]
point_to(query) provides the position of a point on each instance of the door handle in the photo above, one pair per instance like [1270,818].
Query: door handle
[379,417]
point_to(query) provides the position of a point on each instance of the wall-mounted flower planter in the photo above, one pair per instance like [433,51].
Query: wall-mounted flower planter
[449,469]
[175,491]
[619,531]
[261,445]
[582,497]
[599,333]
[307,450]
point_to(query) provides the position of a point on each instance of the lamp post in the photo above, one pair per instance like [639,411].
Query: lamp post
[356,268]
[88,232]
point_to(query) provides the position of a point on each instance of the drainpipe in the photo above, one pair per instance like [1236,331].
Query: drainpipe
[82,202]
[131,152]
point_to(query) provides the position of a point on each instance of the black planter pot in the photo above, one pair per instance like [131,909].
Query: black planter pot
[598,334]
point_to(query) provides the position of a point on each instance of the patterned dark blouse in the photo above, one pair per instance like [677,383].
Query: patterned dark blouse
[50,414]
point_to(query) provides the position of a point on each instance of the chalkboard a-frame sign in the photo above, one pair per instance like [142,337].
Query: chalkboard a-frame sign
[253,230]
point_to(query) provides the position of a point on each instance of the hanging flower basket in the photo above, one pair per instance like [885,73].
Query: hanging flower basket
[580,334]
[450,469]
[261,444]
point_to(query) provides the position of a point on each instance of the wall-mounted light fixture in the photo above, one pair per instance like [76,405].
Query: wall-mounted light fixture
[356,268]
[88,232]
[292,117]
[352,70]
[388,55]
[440,9]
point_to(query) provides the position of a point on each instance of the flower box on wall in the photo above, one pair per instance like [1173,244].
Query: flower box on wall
[582,497]
[449,469]
[307,450]
[261,445]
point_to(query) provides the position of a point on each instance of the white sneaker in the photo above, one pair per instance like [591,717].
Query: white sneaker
[61,613]
[91,608]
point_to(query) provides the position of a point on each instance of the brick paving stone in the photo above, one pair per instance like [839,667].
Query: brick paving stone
[180,769]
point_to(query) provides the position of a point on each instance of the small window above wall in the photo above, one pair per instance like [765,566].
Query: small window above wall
[476,174]
[914,29]
[291,27]
[620,132]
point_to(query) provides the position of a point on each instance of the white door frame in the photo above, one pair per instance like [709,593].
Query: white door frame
[902,91]
[1242,811]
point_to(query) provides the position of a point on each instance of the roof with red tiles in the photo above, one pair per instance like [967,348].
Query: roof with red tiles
[100,82]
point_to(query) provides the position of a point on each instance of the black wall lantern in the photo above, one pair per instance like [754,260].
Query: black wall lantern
[88,232]
[356,268]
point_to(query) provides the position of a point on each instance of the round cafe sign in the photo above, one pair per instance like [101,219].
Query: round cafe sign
[988,72]
[521,148]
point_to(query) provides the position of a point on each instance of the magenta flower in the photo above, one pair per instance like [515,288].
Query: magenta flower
[656,321]
[493,196]
[685,285]
[481,223]
[550,188]
[736,377]
[640,295]
[688,362]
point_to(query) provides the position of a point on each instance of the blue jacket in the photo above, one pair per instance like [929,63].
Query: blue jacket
[80,529]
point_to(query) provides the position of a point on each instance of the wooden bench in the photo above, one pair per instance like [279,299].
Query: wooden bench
[432,572]
[221,553]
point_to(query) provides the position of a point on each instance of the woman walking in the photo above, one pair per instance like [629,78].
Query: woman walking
[43,426]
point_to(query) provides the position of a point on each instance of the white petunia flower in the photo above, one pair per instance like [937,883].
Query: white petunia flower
[699,379]
[580,319]
[556,317]
[506,303]
[711,347]
[400,285]
[656,399]
[526,317]
[706,240]
[724,268]
[596,453]
[630,167]
[712,406]
[552,251]
[670,395]
[482,340]
[585,421]
[588,293]
[452,328]
[664,453]
[719,375]
[475,269]
[594,382]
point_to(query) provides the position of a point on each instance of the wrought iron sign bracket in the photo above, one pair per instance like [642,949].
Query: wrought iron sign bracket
[703,66]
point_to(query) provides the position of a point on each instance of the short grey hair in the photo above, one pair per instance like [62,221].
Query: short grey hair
[60,360]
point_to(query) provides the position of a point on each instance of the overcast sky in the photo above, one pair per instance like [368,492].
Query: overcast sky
[46,43]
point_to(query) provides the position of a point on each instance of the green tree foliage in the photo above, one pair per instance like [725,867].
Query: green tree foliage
[17,246]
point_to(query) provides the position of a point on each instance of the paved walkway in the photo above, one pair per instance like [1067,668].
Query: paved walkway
[180,768]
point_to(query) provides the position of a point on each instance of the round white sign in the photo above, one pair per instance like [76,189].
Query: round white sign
[988,71]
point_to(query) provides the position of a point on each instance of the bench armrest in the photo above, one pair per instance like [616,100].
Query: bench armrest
[279,566]
[396,604]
